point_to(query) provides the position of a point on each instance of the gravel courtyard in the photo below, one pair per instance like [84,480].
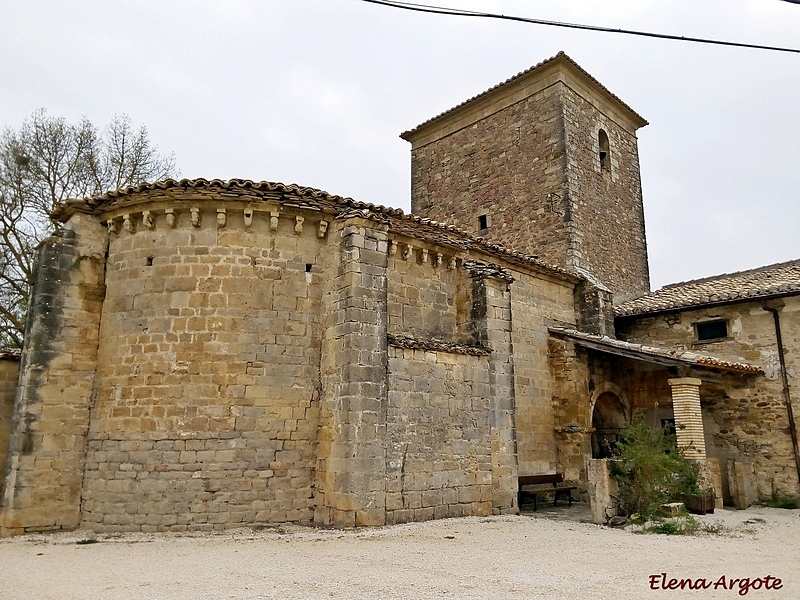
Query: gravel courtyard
[530,556]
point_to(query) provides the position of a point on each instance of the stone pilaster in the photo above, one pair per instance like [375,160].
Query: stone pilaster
[352,434]
[688,418]
[491,322]
[47,449]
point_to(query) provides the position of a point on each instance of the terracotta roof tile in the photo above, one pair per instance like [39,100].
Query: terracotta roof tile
[771,280]
[409,225]
[10,354]
[435,345]
[644,352]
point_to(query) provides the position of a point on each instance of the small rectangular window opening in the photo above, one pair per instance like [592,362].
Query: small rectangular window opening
[483,222]
[149,261]
[711,330]
[308,267]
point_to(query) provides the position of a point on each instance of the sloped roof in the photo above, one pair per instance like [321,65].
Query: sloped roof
[561,56]
[651,353]
[772,280]
[293,195]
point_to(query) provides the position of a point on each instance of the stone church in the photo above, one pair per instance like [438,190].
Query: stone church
[202,355]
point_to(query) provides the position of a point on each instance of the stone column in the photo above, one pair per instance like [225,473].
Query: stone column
[491,322]
[688,418]
[47,449]
[351,468]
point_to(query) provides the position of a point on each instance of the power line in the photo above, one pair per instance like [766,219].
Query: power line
[441,10]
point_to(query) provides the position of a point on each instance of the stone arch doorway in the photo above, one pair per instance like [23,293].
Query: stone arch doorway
[608,419]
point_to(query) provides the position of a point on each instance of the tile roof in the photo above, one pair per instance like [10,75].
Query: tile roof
[435,345]
[651,353]
[561,56]
[293,195]
[10,354]
[772,280]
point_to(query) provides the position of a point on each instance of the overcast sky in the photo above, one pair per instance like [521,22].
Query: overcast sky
[315,92]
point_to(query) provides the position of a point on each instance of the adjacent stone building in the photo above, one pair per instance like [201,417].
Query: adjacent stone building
[203,355]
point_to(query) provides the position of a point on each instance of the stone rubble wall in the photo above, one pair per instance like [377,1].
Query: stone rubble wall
[532,167]
[607,233]
[746,423]
[572,419]
[505,165]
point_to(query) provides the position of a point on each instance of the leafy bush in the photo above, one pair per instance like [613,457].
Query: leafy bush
[650,470]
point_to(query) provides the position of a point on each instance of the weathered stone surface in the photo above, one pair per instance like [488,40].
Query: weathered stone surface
[521,165]
[248,353]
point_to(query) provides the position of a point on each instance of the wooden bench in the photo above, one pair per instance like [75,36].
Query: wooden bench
[552,483]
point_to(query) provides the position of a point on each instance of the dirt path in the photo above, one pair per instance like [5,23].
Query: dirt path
[500,557]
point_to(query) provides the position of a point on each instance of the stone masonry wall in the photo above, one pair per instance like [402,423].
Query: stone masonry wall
[438,457]
[570,371]
[352,430]
[746,423]
[505,166]
[47,449]
[208,373]
[423,297]
[535,302]
[532,168]
[9,374]
[607,234]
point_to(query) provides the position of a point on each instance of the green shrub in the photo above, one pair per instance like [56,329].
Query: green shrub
[664,527]
[681,525]
[777,501]
[650,470]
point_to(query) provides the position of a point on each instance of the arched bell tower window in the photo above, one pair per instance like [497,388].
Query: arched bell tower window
[605,153]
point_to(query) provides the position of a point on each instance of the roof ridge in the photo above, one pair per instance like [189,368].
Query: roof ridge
[778,279]
[560,55]
[721,276]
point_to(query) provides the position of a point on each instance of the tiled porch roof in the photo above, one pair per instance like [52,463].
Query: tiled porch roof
[651,354]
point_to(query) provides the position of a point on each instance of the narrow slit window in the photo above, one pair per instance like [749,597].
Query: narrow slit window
[483,222]
[605,153]
[711,330]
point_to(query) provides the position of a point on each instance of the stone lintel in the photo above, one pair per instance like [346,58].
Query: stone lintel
[685,381]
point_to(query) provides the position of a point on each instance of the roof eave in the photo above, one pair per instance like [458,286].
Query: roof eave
[698,306]
[561,59]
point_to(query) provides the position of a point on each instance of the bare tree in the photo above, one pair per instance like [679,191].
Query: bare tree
[44,162]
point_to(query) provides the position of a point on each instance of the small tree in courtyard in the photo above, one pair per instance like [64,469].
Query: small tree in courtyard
[650,469]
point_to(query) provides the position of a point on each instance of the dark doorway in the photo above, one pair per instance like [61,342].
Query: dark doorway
[608,420]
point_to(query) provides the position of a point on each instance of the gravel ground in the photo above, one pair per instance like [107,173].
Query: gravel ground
[530,556]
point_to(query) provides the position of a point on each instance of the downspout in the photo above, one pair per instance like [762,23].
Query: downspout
[786,396]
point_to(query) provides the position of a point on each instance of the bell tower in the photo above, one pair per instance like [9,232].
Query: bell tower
[545,163]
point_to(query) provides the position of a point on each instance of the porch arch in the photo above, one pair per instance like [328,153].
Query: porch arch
[609,416]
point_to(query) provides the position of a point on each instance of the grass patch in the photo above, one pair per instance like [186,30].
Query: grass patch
[87,541]
[777,501]
[681,525]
